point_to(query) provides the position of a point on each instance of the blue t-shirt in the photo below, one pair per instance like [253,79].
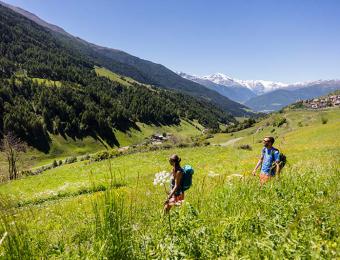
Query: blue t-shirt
[269,156]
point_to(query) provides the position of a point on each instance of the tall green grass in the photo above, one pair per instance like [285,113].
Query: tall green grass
[113,228]
[224,216]
[295,216]
[14,235]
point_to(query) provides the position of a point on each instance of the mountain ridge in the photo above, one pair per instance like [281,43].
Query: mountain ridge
[49,88]
[263,95]
[34,18]
[235,92]
[141,70]
[277,99]
[225,80]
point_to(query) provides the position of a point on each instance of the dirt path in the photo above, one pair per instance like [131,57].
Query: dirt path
[232,141]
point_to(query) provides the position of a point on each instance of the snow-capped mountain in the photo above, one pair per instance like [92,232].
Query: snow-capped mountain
[222,79]
[223,85]
[262,86]
[260,94]
[257,86]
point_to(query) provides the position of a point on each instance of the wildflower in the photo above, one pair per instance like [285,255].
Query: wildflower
[135,227]
[236,175]
[178,203]
[212,174]
[161,178]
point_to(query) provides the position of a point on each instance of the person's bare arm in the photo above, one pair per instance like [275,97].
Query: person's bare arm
[258,165]
[178,178]
[277,169]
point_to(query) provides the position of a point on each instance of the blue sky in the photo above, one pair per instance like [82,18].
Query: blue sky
[278,40]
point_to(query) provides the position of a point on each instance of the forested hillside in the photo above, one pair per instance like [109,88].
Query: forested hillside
[139,69]
[74,101]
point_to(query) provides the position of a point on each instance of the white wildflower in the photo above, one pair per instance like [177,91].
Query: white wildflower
[135,227]
[161,178]
[179,203]
[212,174]
[236,175]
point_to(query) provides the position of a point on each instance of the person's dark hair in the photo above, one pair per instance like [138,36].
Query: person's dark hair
[271,139]
[174,158]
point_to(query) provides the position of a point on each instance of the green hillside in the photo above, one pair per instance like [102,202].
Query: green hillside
[111,209]
[62,148]
[124,64]
[48,88]
[114,77]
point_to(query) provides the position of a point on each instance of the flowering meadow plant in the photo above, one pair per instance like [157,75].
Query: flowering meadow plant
[161,178]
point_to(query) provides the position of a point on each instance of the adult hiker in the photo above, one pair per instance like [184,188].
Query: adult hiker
[269,161]
[176,194]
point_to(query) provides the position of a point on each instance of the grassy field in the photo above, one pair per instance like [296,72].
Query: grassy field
[125,81]
[183,132]
[47,82]
[111,209]
[21,74]
[62,148]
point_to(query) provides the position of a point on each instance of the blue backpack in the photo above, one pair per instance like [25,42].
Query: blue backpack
[188,171]
[282,159]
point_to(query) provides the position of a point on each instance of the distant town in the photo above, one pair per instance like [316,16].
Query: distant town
[332,100]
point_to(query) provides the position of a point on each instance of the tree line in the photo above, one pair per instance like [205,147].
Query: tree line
[84,104]
[32,110]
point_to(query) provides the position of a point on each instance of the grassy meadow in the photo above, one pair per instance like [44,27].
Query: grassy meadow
[112,210]
[125,81]
[62,148]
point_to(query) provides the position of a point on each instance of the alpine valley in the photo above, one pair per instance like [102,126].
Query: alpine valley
[263,95]
[89,134]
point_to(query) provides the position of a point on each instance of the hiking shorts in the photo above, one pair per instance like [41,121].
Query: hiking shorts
[264,177]
[270,174]
[176,200]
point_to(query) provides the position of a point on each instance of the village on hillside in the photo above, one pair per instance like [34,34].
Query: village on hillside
[332,100]
[329,101]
